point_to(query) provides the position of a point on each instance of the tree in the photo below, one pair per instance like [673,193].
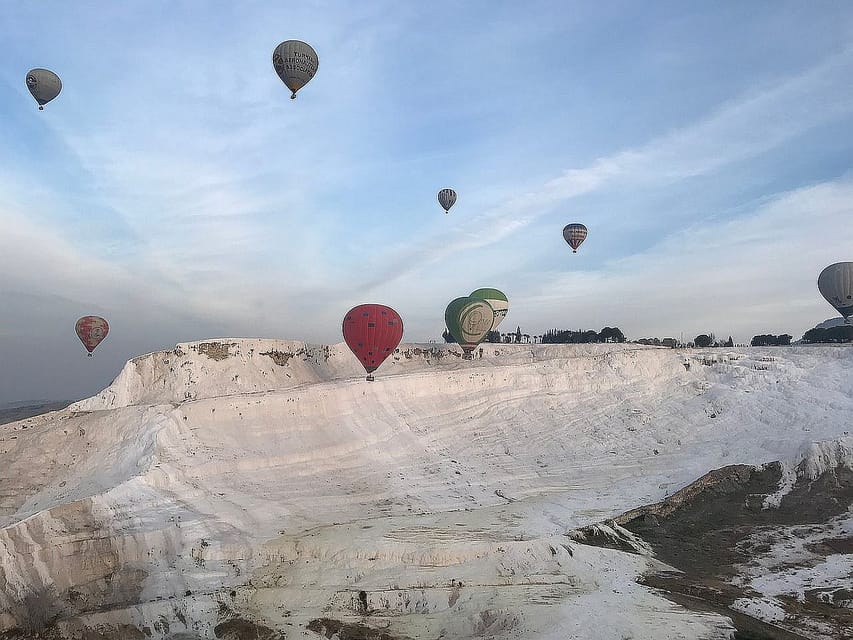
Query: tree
[842,333]
[769,340]
[493,336]
[729,342]
[611,334]
[518,334]
[702,340]
[448,337]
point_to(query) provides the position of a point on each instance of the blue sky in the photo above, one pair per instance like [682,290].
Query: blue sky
[175,189]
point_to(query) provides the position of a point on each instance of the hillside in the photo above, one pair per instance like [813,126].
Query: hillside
[236,488]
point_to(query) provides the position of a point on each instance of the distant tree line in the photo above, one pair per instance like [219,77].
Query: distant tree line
[553,336]
[768,340]
[843,333]
[657,342]
[566,336]
[496,337]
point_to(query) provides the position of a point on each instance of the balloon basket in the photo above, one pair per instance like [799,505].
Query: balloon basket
[370,378]
[468,356]
[88,355]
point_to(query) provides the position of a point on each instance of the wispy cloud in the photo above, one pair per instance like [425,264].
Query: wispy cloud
[757,273]
[737,131]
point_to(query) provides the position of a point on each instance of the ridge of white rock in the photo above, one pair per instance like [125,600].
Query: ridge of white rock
[269,478]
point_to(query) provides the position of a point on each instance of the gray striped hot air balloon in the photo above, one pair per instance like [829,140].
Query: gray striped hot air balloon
[295,62]
[44,85]
[835,283]
[446,198]
[575,234]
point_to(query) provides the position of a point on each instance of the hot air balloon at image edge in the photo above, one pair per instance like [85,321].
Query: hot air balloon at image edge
[295,62]
[447,198]
[574,234]
[372,332]
[835,284]
[469,321]
[91,330]
[44,85]
[498,301]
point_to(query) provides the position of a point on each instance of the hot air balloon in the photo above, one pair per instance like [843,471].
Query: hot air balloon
[372,332]
[44,85]
[497,301]
[835,283]
[446,198]
[91,330]
[295,62]
[575,234]
[469,320]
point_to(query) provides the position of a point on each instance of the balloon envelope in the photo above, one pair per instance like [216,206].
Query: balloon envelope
[497,300]
[469,320]
[575,234]
[295,62]
[91,330]
[44,85]
[372,332]
[835,283]
[446,198]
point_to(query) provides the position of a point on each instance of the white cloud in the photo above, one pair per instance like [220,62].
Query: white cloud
[755,274]
[739,130]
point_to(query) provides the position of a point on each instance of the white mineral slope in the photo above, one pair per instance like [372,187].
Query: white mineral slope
[269,477]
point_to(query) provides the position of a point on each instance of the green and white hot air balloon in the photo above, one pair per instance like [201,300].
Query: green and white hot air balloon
[497,300]
[469,321]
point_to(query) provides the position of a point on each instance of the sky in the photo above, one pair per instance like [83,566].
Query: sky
[175,189]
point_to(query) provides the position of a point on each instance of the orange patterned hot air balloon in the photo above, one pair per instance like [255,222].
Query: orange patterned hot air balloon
[91,330]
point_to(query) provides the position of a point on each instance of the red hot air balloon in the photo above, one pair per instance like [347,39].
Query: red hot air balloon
[372,332]
[91,330]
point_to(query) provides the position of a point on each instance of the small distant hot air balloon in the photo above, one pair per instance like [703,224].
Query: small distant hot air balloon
[497,301]
[91,330]
[372,332]
[575,234]
[44,85]
[446,198]
[469,320]
[835,283]
[295,62]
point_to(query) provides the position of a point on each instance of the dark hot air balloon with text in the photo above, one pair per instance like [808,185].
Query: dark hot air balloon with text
[295,62]
[372,332]
[44,85]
